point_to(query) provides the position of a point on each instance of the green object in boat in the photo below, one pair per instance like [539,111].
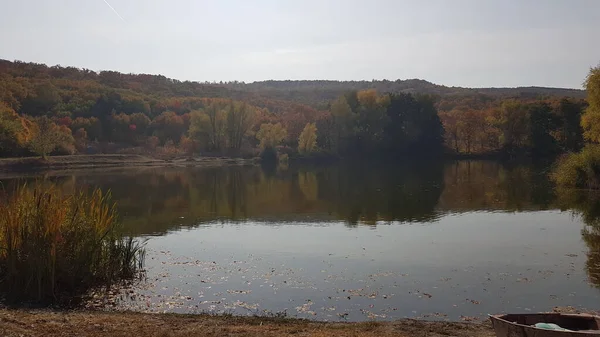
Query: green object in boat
[549,326]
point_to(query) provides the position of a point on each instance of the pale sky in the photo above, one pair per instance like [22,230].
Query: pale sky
[473,43]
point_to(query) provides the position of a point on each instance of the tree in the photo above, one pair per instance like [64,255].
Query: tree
[81,138]
[570,132]
[187,145]
[169,126]
[44,98]
[271,135]
[217,118]
[240,119]
[307,142]
[47,137]
[92,127]
[14,130]
[371,119]
[342,119]
[450,122]
[514,124]
[471,125]
[590,120]
[542,124]
[295,119]
[200,129]
[413,126]
[141,122]
[152,143]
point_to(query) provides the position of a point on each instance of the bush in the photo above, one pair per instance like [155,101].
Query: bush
[269,155]
[579,170]
[56,247]
[284,158]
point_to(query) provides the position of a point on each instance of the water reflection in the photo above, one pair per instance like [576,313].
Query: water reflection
[159,200]
[488,185]
[587,205]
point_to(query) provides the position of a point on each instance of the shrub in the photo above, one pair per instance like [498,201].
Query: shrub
[284,158]
[269,155]
[579,170]
[56,247]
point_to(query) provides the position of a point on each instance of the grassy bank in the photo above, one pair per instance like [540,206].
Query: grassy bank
[96,324]
[110,160]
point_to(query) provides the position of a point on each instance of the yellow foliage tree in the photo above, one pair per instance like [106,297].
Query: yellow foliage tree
[47,137]
[15,131]
[590,121]
[271,135]
[307,142]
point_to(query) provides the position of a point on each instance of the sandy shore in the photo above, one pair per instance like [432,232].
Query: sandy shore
[85,323]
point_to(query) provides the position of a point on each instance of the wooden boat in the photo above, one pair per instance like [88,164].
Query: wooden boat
[523,325]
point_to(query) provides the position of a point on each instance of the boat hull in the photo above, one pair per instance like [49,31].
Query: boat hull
[522,325]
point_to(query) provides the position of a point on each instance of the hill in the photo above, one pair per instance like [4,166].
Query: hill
[317,93]
[115,112]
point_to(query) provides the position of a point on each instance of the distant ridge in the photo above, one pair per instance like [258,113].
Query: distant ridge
[315,93]
[409,85]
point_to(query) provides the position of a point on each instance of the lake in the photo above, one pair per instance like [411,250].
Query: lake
[360,241]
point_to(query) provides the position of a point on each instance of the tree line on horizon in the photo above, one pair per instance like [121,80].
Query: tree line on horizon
[65,110]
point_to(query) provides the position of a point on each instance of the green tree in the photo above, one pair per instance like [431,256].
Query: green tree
[307,142]
[570,132]
[44,98]
[413,125]
[590,120]
[200,129]
[515,126]
[209,127]
[371,120]
[542,124]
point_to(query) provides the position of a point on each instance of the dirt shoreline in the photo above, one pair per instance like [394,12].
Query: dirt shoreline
[15,323]
[33,164]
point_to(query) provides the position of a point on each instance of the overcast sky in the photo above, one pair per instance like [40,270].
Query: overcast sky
[470,43]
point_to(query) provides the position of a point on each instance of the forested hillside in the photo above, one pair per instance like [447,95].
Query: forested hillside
[319,93]
[51,110]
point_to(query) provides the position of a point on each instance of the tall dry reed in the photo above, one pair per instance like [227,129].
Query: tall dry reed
[56,247]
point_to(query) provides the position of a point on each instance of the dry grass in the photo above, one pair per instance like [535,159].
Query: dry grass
[96,324]
[55,246]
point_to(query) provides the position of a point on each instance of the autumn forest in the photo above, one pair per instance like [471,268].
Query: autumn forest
[64,110]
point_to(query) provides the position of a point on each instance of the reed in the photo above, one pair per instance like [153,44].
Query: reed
[55,247]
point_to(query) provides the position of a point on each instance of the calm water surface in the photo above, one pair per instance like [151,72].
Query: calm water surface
[345,242]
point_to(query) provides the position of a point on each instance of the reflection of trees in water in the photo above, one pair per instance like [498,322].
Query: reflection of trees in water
[367,194]
[308,184]
[156,200]
[490,185]
[153,201]
[587,205]
[591,236]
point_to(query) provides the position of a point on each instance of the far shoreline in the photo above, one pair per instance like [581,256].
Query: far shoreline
[37,164]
